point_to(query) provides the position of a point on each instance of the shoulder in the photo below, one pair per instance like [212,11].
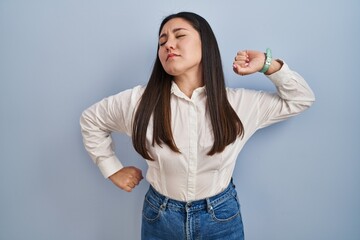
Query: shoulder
[240,92]
[242,97]
[132,93]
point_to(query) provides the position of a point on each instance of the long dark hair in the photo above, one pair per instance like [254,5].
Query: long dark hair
[155,100]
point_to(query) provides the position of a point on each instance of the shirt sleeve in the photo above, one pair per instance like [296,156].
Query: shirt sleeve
[293,97]
[258,109]
[112,114]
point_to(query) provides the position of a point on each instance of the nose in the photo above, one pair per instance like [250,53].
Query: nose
[169,45]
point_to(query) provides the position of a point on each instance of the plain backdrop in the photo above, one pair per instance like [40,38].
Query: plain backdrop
[296,180]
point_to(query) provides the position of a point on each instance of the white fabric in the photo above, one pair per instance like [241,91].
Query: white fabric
[192,174]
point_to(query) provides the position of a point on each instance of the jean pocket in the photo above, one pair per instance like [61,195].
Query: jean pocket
[225,211]
[150,212]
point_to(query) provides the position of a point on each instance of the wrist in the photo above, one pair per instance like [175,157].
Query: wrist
[268,60]
[274,67]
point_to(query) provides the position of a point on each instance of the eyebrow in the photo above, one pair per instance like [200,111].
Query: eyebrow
[174,31]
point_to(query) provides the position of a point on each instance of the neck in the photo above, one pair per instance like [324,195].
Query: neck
[187,83]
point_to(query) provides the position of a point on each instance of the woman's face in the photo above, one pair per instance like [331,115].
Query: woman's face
[179,48]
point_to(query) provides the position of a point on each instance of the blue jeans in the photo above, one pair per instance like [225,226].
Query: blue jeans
[217,217]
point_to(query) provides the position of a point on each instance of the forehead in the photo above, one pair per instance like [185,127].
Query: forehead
[176,23]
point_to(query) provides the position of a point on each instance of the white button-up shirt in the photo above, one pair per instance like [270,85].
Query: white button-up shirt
[191,174]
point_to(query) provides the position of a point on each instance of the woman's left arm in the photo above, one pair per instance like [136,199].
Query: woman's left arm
[293,93]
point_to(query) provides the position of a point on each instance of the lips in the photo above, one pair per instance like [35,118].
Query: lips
[171,55]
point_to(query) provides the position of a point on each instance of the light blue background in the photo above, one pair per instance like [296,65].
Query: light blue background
[297,180]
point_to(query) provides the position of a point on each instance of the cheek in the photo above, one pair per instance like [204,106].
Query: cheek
[196,51]
[161,56]
[198,54]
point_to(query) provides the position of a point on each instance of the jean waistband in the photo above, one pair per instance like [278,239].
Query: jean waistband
[157,199]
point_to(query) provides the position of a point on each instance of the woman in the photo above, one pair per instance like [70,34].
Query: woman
[190,129]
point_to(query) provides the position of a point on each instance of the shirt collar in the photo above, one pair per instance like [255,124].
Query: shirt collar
[177,92]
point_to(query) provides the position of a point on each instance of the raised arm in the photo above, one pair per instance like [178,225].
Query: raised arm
[293,93]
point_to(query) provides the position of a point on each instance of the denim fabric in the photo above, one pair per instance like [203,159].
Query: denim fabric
[212,218]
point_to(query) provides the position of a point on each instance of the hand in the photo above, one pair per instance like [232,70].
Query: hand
[248,62]
[127,178]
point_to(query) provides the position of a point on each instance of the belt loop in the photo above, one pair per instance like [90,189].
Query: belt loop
[209,206]
[163,205]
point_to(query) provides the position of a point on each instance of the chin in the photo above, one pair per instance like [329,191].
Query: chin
[173,72]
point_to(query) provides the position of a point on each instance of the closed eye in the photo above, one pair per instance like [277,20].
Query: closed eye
[179,36]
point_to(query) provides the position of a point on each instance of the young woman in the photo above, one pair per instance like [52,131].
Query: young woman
[190,129]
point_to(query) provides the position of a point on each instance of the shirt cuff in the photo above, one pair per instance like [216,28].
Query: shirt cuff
[281,76]
[110,166]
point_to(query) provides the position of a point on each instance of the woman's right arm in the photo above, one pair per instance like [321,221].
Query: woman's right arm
[112,114]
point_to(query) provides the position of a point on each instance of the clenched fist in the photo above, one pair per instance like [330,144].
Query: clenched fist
[249,61]
[127,178]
